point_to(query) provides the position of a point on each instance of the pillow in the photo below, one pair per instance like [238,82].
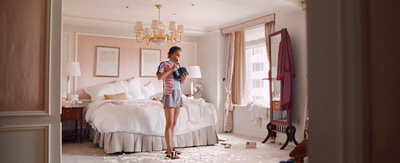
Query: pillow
[133,88]
[97,92]
[119,96]
[147,90]
[117,101]
[157,97]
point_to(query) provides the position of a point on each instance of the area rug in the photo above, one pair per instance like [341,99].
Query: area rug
[210,154]
[264,153]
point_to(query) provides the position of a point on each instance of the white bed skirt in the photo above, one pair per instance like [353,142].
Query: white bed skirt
[133,142]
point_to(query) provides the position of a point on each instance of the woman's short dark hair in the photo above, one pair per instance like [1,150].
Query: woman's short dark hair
[173,49]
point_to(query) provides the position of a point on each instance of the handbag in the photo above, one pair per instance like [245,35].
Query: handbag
[178,72]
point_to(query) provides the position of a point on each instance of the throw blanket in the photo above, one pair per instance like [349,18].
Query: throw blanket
[258,111]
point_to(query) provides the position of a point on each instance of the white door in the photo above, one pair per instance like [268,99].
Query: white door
[30,47]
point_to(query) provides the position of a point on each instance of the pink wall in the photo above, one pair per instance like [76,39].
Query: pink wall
[129,61]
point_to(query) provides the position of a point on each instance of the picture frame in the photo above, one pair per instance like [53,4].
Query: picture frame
[149,61]
[107,61]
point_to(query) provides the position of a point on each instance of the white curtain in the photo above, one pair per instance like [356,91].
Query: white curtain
[229,58]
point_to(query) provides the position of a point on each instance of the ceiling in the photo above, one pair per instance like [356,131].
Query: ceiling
[198,16]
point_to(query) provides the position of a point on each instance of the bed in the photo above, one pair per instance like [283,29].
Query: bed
[136,124]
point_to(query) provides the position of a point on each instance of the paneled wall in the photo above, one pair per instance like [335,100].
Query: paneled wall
[80,45]
[129,60]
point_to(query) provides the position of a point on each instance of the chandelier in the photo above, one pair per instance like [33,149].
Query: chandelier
[158,33]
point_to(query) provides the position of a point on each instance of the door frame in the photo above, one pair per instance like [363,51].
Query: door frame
[336,73]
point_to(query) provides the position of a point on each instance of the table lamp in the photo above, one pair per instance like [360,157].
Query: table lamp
[194,72]
[70,69]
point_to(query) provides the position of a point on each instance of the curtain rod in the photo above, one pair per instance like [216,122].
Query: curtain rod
[249,23]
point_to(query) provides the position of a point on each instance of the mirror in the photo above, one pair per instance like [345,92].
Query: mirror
[275,84]
[280,120]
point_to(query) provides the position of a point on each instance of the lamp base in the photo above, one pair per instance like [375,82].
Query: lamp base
[191,86]
[67,99]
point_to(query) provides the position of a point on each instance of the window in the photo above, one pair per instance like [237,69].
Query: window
[258,83]
[258,50]
[258,97]
[249,51]
[257,65]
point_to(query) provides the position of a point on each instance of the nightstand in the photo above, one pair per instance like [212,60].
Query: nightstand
[74,113]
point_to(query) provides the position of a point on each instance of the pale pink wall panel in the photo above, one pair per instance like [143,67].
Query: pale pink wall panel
[23,53]
[129,61]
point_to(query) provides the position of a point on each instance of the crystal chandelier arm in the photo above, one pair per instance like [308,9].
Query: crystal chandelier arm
[172,39]
[169,38]
[178,40]
[148,41]
[138,39]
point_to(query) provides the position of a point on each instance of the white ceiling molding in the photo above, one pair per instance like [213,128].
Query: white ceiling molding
[248,24]
[122,25]
[199,17]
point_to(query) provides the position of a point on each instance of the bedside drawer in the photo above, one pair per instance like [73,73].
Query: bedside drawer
[71,114]
[276,105]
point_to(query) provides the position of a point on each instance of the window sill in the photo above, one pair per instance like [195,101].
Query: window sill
[237,105]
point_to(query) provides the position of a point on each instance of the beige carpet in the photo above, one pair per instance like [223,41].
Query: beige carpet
[87,152]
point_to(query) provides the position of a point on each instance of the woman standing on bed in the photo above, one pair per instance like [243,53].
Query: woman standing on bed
[172,99]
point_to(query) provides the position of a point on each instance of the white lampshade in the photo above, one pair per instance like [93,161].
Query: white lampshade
[181,29]
[172,25]
[194,72]
[154,24]
[136,30]
[139,25]
[71,69]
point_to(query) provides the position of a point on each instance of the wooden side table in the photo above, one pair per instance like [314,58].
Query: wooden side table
[74,113]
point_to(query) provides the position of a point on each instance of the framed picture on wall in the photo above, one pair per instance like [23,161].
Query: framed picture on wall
[149,61]
[107,61]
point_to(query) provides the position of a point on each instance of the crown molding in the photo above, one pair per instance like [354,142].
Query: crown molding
[194,31]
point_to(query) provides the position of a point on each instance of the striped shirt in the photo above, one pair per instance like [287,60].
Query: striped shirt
[169,82]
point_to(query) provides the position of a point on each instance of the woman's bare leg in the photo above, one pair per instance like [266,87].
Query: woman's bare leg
[169,119]
[175,119]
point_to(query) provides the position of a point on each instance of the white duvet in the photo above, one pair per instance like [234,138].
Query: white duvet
[147,116]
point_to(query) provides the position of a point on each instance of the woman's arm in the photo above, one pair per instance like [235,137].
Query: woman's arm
[163,75]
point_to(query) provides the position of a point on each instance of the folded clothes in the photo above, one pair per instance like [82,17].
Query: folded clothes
[178,72]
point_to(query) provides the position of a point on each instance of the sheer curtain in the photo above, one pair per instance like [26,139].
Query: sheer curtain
[229,57]
[269,28]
